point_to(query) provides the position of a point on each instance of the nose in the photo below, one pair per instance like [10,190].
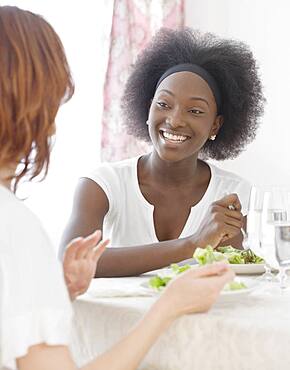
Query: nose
[175,119]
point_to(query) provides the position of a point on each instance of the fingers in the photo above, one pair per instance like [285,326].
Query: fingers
[79,247]
[224,278]
[230,200]
[99,249]
[72,248]
[88,243]
[93,239]
[237,215]
[229,275]
[228,232]
[229,222]
[226,215]
[218,273]
[238,224]
[210,270]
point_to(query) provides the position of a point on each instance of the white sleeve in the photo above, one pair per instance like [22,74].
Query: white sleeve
[105,176]
[35,306]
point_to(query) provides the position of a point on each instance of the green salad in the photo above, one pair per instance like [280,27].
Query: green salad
[235,285]
[232,255]
[207,255]
[159,282]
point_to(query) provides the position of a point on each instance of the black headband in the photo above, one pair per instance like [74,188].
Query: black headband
[194,68]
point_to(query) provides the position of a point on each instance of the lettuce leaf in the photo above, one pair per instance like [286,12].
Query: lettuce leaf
[227,253]
[207,255]
[251,257]
[179,269]
[235,285]
[158,282]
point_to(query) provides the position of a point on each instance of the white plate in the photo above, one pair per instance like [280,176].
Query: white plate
[231,295]
[248,268]
[243,268]
[226,295]
[240,269]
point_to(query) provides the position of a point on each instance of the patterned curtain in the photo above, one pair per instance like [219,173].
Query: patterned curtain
[134,23]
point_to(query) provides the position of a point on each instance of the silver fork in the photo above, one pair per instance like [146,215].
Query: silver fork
[245,242]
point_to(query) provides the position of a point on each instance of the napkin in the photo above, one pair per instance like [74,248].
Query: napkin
[120,287]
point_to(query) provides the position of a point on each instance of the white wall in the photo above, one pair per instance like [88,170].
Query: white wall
[84,29]
[265,26]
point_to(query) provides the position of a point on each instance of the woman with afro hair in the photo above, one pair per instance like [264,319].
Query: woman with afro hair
[193,96]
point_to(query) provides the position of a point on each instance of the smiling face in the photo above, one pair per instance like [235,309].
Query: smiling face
[182,116]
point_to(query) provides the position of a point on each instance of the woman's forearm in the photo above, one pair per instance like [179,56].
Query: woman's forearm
[129,261]
[128,353]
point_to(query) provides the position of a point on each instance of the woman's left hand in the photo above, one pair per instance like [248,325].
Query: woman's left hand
[80,261]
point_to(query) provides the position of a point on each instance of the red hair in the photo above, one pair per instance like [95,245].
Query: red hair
[35,79]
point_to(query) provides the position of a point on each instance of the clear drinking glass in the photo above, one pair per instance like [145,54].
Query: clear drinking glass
[254,228]
[275,228]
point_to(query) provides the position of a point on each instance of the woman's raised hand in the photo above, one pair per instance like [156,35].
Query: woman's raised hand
[80,261]
[220,222]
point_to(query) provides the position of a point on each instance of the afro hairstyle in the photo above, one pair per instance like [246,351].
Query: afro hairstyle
[230,62]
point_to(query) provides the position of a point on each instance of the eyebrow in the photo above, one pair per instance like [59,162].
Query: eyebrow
[191,98]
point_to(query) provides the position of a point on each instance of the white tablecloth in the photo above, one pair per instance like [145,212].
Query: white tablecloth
[249,333]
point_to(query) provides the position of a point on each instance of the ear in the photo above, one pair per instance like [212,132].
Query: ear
[149,106]
[218,122]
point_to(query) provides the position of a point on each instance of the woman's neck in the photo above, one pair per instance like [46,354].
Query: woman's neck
[172,173]
[5,176]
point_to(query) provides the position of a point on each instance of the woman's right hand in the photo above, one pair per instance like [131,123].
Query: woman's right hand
[220,223]
[80,261]
[195,290]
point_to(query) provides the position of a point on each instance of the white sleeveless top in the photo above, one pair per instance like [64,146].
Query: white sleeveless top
[129,221]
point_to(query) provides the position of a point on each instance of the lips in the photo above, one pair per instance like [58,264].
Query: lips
[173,137]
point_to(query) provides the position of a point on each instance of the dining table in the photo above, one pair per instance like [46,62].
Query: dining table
[249,331]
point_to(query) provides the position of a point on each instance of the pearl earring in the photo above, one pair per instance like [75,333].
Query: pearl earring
[147,122]
[212,137]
